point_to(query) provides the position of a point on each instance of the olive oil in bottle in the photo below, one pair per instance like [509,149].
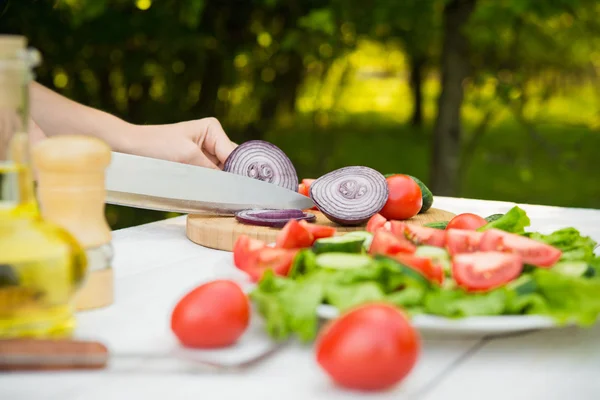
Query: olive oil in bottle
[41,265]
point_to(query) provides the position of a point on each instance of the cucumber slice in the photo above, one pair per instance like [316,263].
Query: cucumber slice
[338,244]
[579,269]
[438,225]
[343,261]
[493,217]
[438,255]
[367,236]
[523,285]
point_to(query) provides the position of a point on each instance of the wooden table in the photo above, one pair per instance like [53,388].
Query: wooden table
[155,264]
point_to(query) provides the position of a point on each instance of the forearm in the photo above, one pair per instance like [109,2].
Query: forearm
[57,115]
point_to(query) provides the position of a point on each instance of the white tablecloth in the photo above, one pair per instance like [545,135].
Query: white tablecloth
[155,264]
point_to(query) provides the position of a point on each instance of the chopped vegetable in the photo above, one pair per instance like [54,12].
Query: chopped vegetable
[462,241]
[483,271]
[339,244]
[294,236]
[264,161]
[388,244]
[424,265]
[376,222]
[319,231]
[272,218]
[350,195]
[420,235]
[532,251]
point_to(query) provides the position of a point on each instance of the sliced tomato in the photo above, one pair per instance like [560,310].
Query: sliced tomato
[533,252]
[388,244]
[277,260]
[420,235]
[303,190]
[243,250]
[375,222]
[425,266]
[485,270]
[294,236]
[319,231]
[462,241]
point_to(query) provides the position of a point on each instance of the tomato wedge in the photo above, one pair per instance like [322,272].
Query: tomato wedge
[294,236]
[243,250]
[308,182]
[425,266]
[485,270]
[419,235]
[533,252]
[319,231]
[375,222]
[277,260]
[462,241]
[303,189]
[388,244]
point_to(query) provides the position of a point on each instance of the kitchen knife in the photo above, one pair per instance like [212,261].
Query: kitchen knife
[154,184]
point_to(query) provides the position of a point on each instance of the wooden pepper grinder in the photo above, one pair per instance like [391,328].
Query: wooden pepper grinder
[71,193]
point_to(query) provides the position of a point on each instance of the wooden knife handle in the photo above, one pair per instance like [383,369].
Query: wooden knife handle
[71,173]
[42,354]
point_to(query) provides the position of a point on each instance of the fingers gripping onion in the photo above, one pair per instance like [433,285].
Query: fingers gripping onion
[263,161]
[350,195]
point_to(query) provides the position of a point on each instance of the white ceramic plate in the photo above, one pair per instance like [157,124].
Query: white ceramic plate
[478,326]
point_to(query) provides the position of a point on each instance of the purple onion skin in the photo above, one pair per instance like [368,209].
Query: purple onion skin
[350,195]
[264,161]
[257,217]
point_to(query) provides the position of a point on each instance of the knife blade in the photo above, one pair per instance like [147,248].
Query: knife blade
[153,184]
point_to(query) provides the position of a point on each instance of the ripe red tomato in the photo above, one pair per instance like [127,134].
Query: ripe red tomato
[294,236]
[466,221]
[212,315]
[420,235]
[404,199]
[319,231]
[388,244]
[533,252]
[372,347]
[425,266]
[462,241]
[485,270]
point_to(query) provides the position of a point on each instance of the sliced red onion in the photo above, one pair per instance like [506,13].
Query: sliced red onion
[350,195]
[272,218]
[263,161]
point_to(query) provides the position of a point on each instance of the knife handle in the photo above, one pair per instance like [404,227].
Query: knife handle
[48,354]
[71,191]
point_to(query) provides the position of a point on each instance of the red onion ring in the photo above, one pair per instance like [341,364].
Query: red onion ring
[272,218]
[263,161]
[350,195]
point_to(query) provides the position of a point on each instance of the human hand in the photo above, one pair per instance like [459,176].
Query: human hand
[201,142]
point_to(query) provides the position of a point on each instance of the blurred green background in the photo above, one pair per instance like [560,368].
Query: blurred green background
[489,99]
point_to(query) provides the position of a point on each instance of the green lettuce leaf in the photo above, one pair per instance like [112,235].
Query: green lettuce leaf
[514,221]
[458,303]
[569,298]
[288,306]
[344,297]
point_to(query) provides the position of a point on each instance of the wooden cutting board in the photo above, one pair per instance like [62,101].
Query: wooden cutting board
[221,232]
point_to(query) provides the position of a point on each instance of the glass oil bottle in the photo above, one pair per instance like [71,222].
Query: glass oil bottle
[42,265]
